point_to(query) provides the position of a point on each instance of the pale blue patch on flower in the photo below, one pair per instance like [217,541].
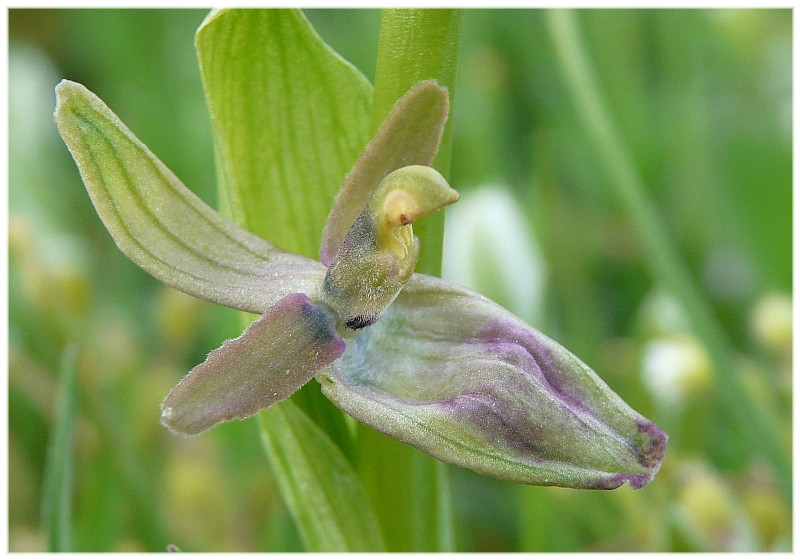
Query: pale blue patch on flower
[424,360]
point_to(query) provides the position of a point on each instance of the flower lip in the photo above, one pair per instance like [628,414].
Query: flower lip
[460,378]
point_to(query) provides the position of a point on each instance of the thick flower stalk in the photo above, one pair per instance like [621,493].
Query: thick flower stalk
[423,360]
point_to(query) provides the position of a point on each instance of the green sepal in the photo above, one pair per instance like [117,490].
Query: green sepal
[164,227]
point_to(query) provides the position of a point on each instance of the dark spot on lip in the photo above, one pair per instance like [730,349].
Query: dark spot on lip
[404,220]
[359,322]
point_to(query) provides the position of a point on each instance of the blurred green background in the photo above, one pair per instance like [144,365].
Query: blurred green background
[703,101]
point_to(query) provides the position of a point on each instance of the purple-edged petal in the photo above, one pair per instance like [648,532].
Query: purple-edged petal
[276,355]
[455,375]
[165,228]
[410,135]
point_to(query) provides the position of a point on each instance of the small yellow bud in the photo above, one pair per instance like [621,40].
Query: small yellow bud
[771,323]
[708,510]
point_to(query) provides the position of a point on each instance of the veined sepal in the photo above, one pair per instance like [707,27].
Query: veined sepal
[164,227]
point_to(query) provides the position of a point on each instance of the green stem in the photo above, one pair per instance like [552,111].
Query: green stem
[417,45]
[664,262]
[412,488]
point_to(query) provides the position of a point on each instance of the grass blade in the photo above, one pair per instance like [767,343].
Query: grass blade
[59,473]
[666,266]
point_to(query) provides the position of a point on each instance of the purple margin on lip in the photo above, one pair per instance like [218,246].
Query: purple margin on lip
[653,455]
[478,403]
[636,481]
[516,344]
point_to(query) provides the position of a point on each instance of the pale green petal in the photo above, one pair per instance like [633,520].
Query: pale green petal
[457,376]
[276,355]
[165,228]
[410,135]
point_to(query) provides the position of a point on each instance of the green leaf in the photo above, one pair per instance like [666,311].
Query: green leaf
[289,116]
[331,508]
[57,498]
[161,225]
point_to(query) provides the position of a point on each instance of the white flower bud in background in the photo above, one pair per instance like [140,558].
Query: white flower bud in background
[675,368]
[30,128]
[490,248]
[661,314]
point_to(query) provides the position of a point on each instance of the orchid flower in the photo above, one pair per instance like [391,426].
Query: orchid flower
[423,360]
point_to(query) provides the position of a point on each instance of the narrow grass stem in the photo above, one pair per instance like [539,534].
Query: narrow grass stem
[59,474]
